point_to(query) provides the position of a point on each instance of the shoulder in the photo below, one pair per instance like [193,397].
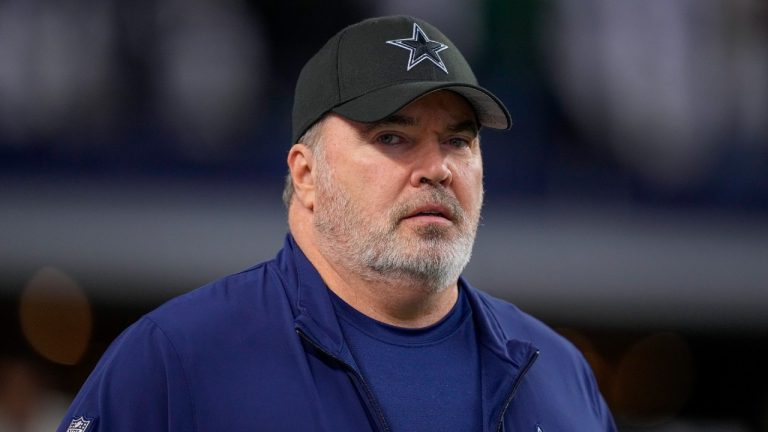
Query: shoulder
[556,353]
[560,369]
[203,318]
[140,366]
[231,301]
[517,324]
[215,322]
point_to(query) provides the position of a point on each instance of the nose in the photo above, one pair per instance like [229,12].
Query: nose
[431,167]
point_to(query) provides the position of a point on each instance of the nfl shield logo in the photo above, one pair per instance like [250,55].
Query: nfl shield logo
[79,424]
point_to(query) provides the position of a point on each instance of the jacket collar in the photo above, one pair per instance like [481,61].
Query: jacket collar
[311,302]
[504,358]
[312,305]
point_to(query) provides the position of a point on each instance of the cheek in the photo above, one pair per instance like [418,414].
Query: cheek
[469,181]
[374,183]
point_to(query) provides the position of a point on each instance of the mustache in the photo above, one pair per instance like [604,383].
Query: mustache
[435,196]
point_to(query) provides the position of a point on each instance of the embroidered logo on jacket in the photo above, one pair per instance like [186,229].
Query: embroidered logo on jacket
[421,48]
[79,424]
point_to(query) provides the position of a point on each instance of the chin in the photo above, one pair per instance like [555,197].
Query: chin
[433,232]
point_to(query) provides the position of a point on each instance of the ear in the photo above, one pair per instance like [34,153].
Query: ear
[300,165]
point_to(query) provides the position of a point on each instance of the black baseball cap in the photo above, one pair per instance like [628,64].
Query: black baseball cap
[374,68]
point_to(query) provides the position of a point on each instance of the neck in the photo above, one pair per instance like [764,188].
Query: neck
[401,302]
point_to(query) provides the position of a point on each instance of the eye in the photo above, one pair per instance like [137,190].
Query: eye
[390,139]
[459,142]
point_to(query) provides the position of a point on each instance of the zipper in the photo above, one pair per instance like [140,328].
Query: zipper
[514,389]
[370,400]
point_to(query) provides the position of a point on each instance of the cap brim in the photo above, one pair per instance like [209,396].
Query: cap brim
[378,104]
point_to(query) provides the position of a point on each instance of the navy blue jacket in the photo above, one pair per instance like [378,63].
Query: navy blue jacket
[262,350]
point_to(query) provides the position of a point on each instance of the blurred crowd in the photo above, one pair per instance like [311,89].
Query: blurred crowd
[656,102]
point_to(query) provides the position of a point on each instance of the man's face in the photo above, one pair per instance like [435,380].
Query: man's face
[400,198]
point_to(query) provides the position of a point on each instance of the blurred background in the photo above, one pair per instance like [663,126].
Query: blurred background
[142,154]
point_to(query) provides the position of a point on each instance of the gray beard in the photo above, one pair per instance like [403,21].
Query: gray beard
[432,259]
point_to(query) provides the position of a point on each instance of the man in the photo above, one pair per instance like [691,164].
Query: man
[362,321]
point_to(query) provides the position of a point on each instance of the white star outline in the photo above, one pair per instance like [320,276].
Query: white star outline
[417,31]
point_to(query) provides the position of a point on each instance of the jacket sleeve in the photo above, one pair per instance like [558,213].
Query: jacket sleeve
[599,405]
[139,384]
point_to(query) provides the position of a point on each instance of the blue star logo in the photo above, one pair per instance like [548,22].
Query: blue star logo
[421,48]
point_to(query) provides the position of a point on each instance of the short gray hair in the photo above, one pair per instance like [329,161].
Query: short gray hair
[311,139]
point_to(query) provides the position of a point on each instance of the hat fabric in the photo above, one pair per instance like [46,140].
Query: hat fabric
[374,68]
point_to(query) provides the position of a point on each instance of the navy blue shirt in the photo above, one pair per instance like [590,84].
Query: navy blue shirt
[425,379]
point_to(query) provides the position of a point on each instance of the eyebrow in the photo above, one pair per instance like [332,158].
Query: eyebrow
[402,120]
[394,119]
[465,126]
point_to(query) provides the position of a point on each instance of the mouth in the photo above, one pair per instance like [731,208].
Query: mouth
[434,213]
